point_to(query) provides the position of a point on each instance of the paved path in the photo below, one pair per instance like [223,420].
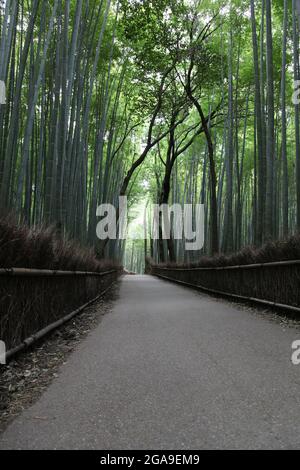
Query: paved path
[170,368]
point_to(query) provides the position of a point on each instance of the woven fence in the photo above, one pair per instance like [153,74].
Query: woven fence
[275,283]
[30,300]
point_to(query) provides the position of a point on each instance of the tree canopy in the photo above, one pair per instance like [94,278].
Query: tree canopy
[165,101]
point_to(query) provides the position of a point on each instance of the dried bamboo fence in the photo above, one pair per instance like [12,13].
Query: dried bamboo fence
[31,300]
[275,284]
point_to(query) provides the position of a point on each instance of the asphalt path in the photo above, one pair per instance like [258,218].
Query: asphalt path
[170,368]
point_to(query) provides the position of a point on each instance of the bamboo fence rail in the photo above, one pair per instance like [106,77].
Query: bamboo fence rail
[31,299]
[275,284]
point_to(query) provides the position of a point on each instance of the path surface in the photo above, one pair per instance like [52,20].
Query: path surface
[170,368]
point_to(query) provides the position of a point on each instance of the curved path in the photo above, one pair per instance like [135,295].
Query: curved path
[170,368]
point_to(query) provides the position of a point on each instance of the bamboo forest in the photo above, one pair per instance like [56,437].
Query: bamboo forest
[149,228]
[164,101]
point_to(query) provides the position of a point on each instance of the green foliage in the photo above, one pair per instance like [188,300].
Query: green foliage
[84,140]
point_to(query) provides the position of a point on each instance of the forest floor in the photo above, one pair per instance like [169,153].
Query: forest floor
[169,368]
